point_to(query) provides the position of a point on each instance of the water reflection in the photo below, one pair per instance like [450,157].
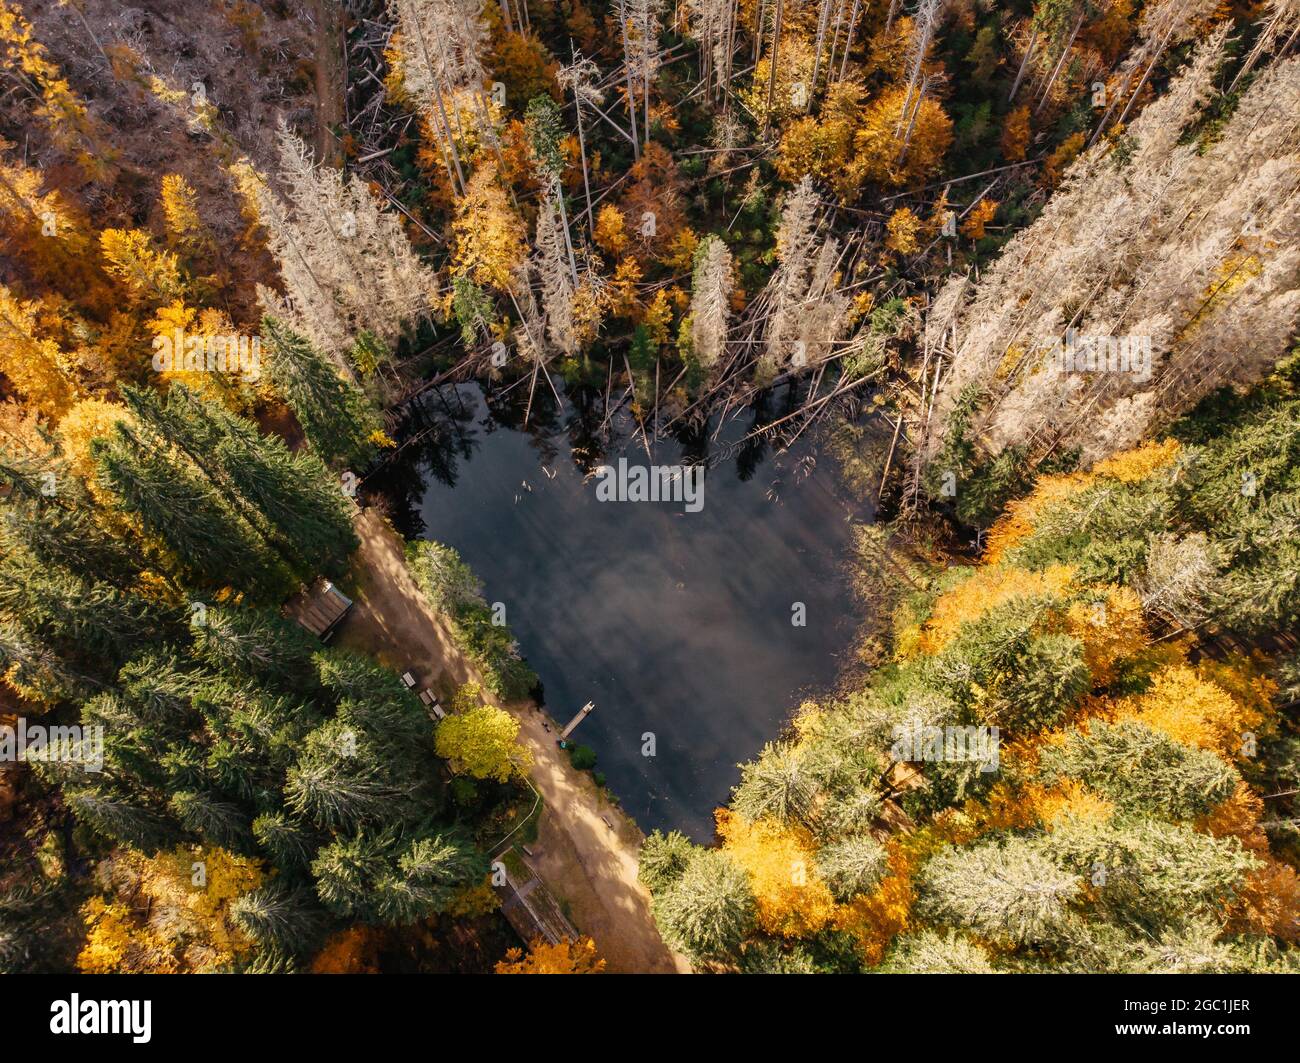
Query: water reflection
[678,625]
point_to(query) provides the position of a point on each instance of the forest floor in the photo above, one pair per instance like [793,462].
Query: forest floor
[330,81]
[586,848]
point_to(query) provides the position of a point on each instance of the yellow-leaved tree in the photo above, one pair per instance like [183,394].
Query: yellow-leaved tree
[168,913]
[186,230]
[490,241]
[481,740]
[147,276]
[792,899]
[36,366]
[902,139]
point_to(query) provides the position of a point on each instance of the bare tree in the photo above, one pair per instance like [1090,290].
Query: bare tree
[554,271]
[804,312]
[711,300]
[1157,272]
[346,264]
[441,66]
[641,43]
[579,77]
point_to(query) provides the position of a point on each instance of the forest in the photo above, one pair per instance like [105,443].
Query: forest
[1024,275]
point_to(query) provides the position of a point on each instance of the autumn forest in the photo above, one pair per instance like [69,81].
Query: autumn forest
[1016,281]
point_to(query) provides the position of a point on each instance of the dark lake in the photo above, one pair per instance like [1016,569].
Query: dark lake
[676,624]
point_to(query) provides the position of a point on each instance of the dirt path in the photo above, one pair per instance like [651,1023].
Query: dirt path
[585,862]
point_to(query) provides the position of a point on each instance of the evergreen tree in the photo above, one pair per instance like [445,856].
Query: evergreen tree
[427,875]
[852,865]
[259,645]
[348,873]
[80,619]
[929,952]
[207,540]
[1004,890]
[663,858]
[217,822]
[289,500]
[33,668]
[710,907]
[69,538]
[1148,875]
[338,419]
[1140,769]
[121,819]
[776,785]
[341,781]
[283,918]
[288,843]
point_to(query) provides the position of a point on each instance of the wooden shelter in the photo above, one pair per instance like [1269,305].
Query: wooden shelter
[319,608]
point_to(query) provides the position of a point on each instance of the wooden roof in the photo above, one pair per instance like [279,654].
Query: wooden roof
[319,608]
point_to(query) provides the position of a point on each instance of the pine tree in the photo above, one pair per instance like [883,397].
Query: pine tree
[1141,770]
[427,875]
[852,866]
[1150,875]
[1009,891]
[260,646]
[120,819]
[928,952]
[711,300]
[348,873]
[87,615]
[32,667]
[280,917]
[204,537]
[289,844]
[289,500]
[338,418]
[340,780]
[663,858]
[710,907]
[61,532]
[776,785]
[296,497]
[217,822]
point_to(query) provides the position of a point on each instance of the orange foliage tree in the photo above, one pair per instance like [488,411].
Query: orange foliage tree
[564,957]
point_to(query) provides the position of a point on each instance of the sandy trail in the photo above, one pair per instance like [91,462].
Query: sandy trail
[586,850]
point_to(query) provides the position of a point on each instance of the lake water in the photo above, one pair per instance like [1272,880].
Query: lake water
[680,626]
